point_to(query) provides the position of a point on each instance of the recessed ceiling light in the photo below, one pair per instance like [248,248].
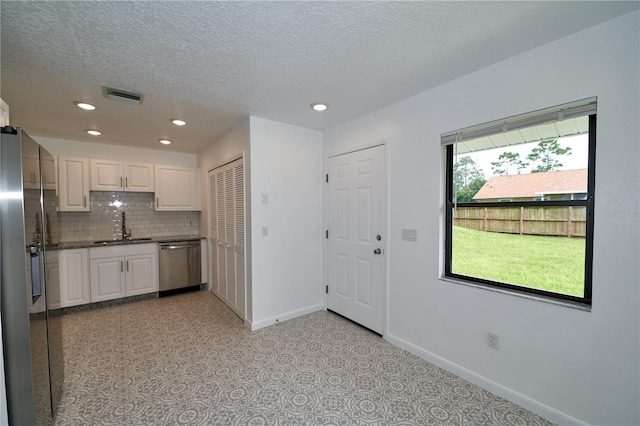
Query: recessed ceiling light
[179,122]
[319,106]
[86,106]
[94,132]
[165,141]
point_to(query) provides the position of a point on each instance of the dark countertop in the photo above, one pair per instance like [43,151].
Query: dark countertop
[175,238]
[106,243]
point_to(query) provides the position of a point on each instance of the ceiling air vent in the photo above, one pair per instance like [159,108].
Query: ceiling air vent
[121,95]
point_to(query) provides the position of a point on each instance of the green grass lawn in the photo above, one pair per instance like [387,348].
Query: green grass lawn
[547,263]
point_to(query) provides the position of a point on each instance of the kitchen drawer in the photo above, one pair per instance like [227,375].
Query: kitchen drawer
[122,250]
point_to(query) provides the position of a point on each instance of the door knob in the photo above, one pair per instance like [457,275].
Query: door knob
[377,251]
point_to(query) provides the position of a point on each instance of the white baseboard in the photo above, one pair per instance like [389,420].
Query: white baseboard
[524,401]
[256,325]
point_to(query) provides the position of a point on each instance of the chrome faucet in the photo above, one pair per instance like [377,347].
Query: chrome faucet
[126,235]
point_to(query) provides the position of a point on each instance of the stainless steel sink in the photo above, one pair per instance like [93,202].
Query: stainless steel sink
[105,242]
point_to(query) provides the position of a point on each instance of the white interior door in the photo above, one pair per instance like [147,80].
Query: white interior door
[226,234]
[357,236]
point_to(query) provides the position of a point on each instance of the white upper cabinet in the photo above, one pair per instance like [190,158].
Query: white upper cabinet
[118,176]
[31,176]
[30,173]
[30,167]
[139,177]
[48,173]
[106,176]
[177,188]
[73,184]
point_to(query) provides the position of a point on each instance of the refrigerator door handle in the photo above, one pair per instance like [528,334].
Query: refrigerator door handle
[36,284]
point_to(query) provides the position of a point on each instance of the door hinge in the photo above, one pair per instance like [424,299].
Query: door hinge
[327,178]
[326,234]
[326,289]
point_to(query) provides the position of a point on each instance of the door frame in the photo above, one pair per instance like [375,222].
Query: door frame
[385,220]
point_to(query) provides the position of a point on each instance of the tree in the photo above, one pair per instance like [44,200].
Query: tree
[545,154]
[466,194]
[465,171]
[467,178]
[507,160]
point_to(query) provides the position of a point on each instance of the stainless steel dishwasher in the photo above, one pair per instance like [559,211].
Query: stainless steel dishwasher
[179,267]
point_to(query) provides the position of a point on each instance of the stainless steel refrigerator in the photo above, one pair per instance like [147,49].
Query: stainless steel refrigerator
[31,327]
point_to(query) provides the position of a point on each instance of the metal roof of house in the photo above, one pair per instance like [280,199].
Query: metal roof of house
[534,184]
[557,129]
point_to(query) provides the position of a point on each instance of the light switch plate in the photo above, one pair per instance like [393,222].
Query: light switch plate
[265,231]
[264,198]
[410,235]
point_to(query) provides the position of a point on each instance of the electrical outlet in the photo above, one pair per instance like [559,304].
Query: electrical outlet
[493,340]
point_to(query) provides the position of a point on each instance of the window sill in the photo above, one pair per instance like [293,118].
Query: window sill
[557,302]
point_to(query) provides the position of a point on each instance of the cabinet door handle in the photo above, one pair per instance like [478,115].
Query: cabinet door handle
[126,182]
[121,266]
[84,201]
[157,202]
[127,266]
[121,184]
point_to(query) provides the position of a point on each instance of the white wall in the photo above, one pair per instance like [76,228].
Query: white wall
[69,148]
[228,147]
[565,364]
[287,264]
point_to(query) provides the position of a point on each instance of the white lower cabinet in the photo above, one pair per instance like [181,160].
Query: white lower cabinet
[107,278]
[121,271]
[74,277]
[52,274]
[141,276]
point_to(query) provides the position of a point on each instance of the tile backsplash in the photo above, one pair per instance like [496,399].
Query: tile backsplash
[104,221]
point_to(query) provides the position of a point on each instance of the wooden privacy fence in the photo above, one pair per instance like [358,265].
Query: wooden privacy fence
[556,221]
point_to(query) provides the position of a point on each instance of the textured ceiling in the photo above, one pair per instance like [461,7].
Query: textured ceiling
[213,63]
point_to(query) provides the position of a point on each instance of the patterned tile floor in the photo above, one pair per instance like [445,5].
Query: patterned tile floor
[188,360]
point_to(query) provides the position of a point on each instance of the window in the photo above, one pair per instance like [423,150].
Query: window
[519,202]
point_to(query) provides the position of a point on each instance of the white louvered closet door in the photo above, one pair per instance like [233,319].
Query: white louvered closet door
[221,267]
[213,232]
[226,187]
[238,175]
